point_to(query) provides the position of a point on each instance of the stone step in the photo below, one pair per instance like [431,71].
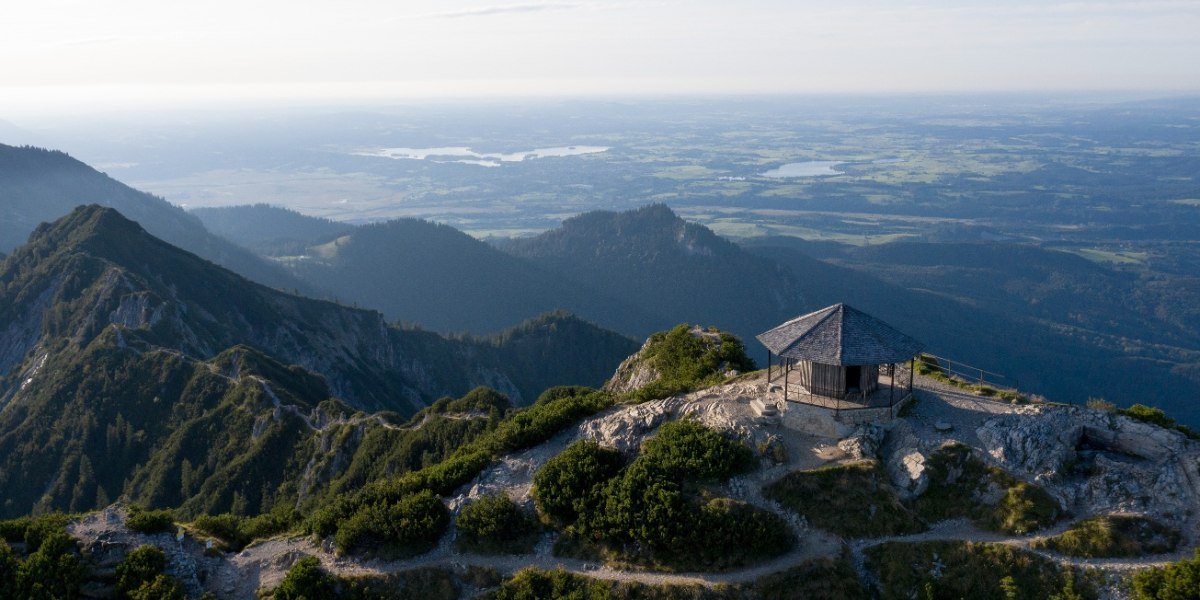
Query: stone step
[764,408]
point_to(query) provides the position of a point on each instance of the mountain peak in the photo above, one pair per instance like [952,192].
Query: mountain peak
[99,230]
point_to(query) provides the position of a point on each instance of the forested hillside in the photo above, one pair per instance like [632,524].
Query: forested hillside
[441,278]
[269,230]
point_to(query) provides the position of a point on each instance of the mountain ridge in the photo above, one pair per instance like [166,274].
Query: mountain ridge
[39,185]
[122,350]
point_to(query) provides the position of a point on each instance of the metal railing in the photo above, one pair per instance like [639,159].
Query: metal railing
[968,374]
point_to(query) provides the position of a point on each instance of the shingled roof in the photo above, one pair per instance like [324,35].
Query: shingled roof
[840,335]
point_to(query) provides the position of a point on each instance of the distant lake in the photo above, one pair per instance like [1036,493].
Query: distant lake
[462,154]
[812,168]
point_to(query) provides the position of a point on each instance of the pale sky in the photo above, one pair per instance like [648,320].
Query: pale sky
[75,55]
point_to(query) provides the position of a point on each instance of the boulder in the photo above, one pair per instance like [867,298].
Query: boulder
[904,460]
[1036,444]
[863,442]
[633,373]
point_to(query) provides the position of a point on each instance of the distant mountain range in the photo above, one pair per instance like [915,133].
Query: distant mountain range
[1052,322]
[39,185]
[120,352]
[1058,324]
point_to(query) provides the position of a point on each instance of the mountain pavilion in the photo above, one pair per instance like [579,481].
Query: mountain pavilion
[841,358]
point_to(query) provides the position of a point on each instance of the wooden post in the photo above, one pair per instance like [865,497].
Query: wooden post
[892,390]
[768,366]
[785,378]
[912,366]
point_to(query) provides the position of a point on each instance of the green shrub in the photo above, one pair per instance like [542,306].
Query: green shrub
[853,500]
[1156,416]
[236,531]
[426,583]
[818,578]
[13,530]
[686,362]
[643,506]
[140,566]
[35,530]
[522,429]
[686,449]
[954,570]
[1175,581]
[51,568]
[823,578]
[10,569]
[1114,536]
[306,581]
[729,534]
[644,513]
[51,572]
[162,587]
[140,577]
[494,524]
[1149,414]
[563,392]
[536,584]
[572,483]
[408,527]
[1024,508]
[150,521]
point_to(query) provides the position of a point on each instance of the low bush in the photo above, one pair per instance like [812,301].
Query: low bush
[651,512]
[1157,416]
[1175,581]
[952,570]
[830,578]
[686,449]
[1112,536]
[530,584]
[494,524]
[52,570]
[572,483]
[686,362]
[408,527]
[150,521]
[825,578]
[141,577]
[236,531]
[556,409]
[306,581]
[854,500]
[32,530]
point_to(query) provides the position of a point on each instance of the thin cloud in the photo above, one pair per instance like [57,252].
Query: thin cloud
[501,9]
[90,41]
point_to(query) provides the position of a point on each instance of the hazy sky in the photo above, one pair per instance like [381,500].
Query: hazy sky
[77,54]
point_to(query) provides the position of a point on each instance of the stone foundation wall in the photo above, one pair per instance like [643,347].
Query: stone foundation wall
[826,422]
